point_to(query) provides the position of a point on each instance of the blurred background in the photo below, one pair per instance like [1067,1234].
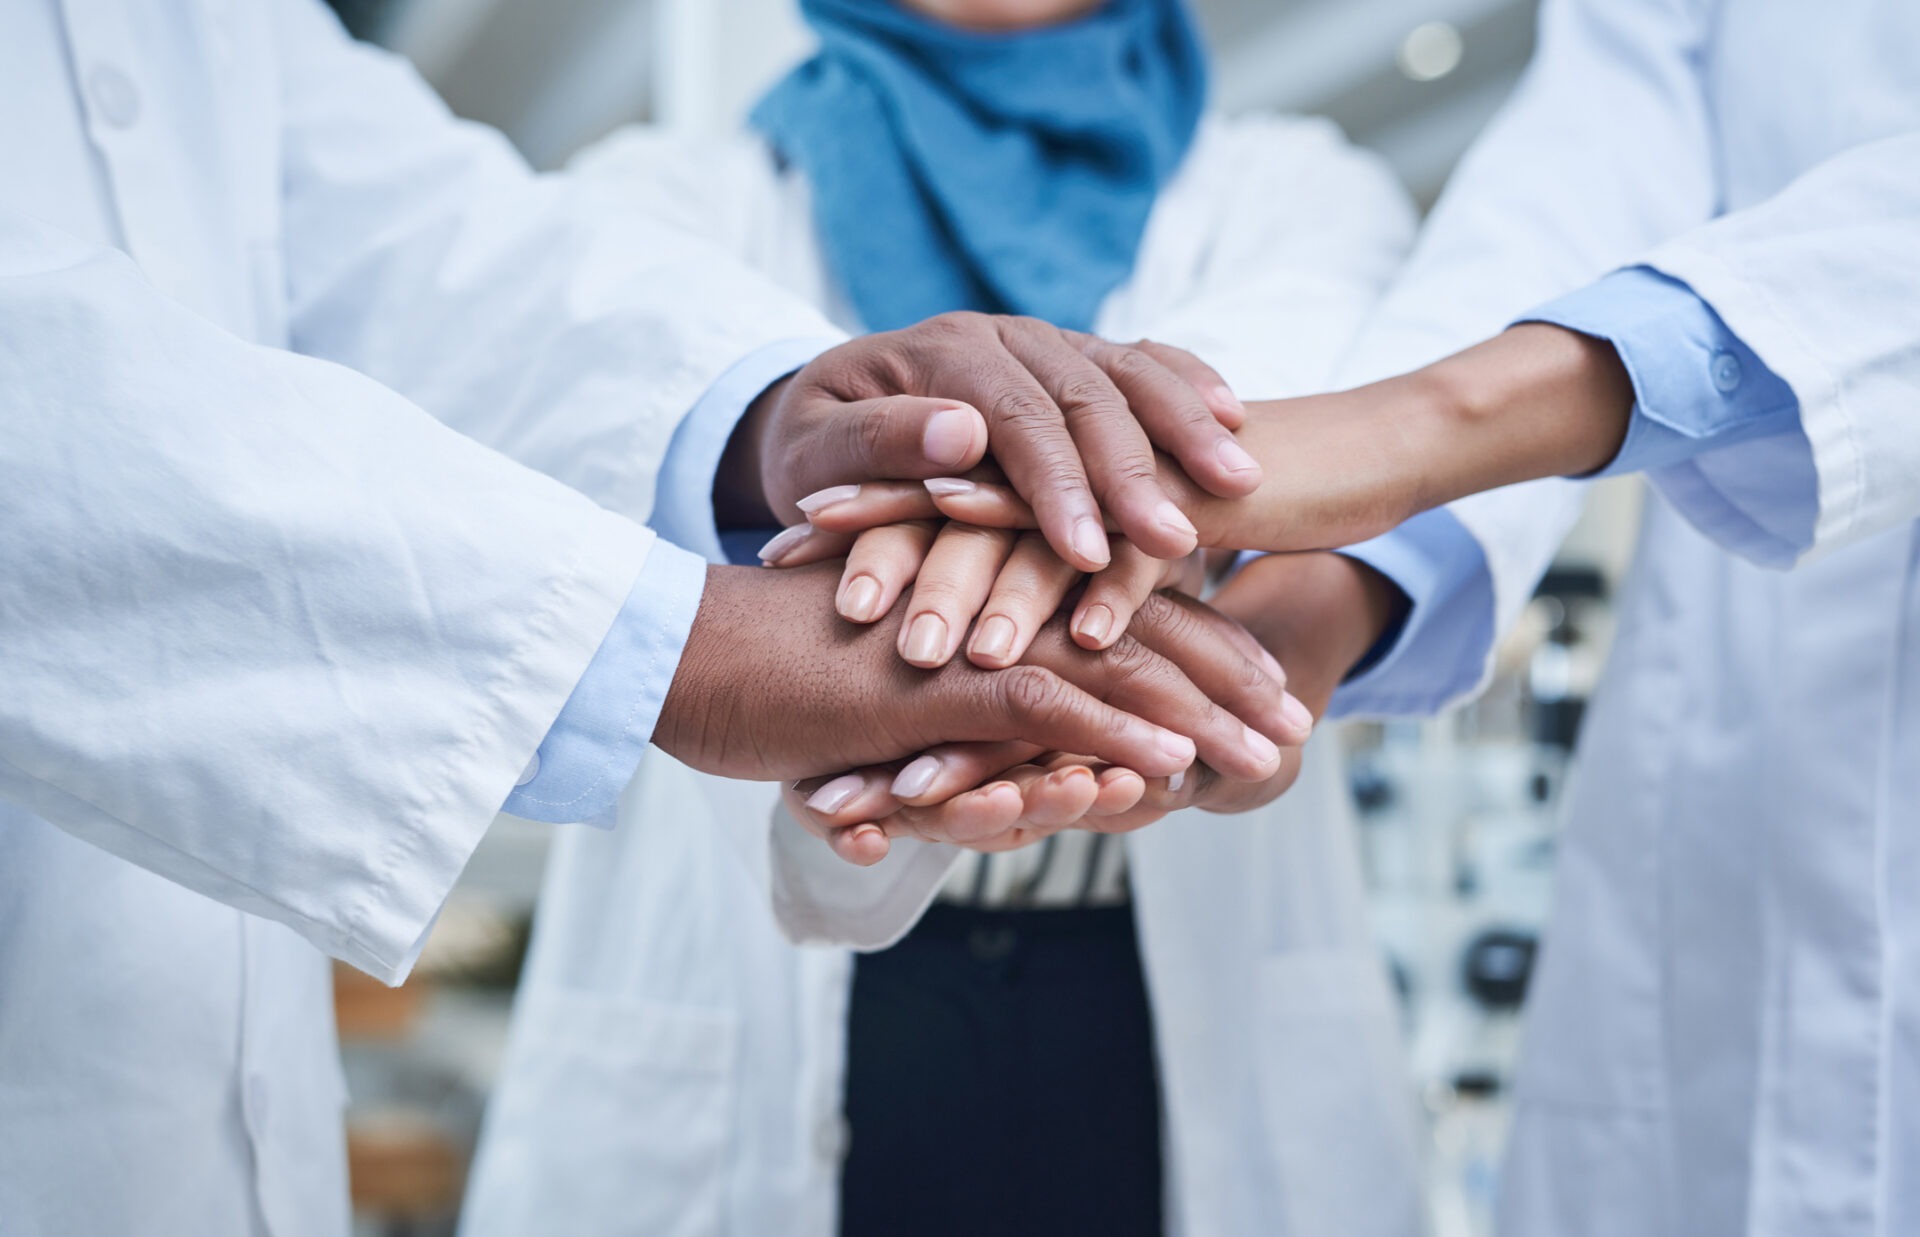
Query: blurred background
[1458,814]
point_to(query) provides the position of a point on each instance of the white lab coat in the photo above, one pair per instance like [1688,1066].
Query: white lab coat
[676,1066]
[1724,1035]
[270,634]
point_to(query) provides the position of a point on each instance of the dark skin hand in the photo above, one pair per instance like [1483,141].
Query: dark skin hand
[1072,422]
[773,684]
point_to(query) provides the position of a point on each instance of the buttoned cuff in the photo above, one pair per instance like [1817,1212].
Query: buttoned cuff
[1441,646]
[1697,387]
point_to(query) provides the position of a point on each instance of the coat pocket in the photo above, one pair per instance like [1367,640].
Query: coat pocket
[613,1117]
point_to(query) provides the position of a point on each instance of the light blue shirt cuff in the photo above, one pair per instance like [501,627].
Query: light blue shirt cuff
[595,744]
[1443,642]
[1696,386]
[683,508]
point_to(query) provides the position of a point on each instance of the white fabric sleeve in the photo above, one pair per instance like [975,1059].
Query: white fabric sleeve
[1820,282]
[539,314]
[1604,150]
[268,629]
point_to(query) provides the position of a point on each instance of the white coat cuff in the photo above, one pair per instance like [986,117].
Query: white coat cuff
[1443,644]
[595,745]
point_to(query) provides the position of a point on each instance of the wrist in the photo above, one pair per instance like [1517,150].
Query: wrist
[1318,612]
[739,485]
[1534,401]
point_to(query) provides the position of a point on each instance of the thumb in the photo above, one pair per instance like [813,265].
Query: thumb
[896,438]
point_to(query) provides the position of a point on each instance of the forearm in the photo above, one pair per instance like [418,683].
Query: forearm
[1533,401]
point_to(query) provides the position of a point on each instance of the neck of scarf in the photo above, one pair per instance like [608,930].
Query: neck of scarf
[1008,173]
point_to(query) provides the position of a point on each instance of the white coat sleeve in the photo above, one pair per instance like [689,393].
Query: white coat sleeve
[1604,150]
[266,628]
[1820,282]
[539,314]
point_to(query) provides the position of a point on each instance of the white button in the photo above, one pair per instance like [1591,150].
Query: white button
[1726,371]
[830,1139]
[530,772]
[114,96]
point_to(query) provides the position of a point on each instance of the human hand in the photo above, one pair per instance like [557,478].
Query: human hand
[1322,612]
[994,795]
[1071,420]
[774,685]
[1011,582]
[1535,401]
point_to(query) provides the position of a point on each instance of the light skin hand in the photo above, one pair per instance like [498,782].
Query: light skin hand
[1321,611]
[1072,420]
[943,786]
[772,684]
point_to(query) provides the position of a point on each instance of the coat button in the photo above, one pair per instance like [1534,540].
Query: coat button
[530,772]
[1726,372]
[115,97]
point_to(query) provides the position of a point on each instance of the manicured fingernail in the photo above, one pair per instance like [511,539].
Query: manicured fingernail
[1260,747]
[784,544]
[926,640]
[860,600]
[1095,623]
[827,497]
[995,637]
[949,437]
[1294,712]
[1089,541]
[1234,457]
[1223,397]
[914,780]
[1175,782]
[834,795]
[948,487]
[1176,747]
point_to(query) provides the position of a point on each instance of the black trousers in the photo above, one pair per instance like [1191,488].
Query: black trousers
[1001,1081]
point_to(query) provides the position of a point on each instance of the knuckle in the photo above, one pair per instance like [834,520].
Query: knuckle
[1032,692]
[1082,391]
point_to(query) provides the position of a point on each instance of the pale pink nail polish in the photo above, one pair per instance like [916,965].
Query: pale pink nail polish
[914,780]
[926,640]
[821,499]
[995,638]
[784,543]
[1096,624]
[949,487]
[835,794]
[860,601]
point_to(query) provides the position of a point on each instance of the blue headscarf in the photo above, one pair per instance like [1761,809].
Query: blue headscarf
[1011,173]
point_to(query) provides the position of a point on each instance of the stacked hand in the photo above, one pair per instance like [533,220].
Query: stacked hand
[1034,496]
